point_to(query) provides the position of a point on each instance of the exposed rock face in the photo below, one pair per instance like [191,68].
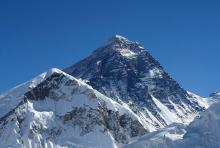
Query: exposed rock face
[125,71]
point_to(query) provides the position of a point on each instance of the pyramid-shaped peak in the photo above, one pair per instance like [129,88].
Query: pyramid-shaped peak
[121,45]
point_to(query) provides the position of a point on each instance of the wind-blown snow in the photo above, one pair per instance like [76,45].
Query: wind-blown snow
[166,114]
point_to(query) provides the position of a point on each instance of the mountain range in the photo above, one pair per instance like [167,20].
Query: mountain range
[119,96]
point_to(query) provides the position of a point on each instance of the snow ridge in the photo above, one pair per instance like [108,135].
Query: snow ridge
[64,111]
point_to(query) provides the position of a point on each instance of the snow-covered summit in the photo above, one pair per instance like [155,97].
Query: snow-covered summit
[119,45]
[118,39]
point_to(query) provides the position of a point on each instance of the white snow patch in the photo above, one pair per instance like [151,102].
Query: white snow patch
[155,73]
[127,53]
[204,102]
[168,116]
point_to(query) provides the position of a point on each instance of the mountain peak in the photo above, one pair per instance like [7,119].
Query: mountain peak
[121,45]
[124,71]
[118,39]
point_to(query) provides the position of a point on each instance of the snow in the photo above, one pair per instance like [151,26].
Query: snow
[98,62]
[142,119]
[11,98]
[141,47]
[70,138]
[69,101]
[213,98]
[155,73]
[153,118]
[127,71]
[163,138]
[203,132]
[201,101]
[116,38]
[44,115]
[127,53]
[168,116]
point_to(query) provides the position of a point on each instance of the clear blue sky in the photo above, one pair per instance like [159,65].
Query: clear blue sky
[40,34]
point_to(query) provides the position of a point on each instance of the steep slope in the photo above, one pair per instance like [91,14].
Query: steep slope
[203,132]
[11,98]
[57,110]
[124,71]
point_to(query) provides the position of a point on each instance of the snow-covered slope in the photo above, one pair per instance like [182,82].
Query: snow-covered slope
[57,110]
[124,71]
[9,99]
[203,132]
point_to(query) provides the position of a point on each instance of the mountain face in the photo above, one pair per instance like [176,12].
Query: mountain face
[124,71]
[57,110]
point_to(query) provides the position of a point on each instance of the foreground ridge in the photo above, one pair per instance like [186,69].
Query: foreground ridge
[61,110]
